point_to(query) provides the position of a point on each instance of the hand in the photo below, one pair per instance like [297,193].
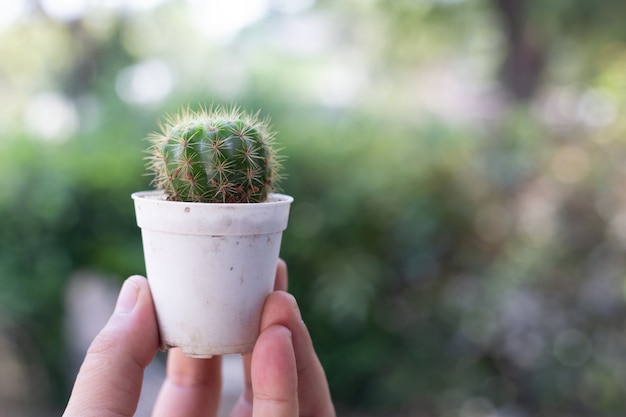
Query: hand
[283,376]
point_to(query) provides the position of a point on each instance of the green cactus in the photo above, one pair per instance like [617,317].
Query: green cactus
[217,155]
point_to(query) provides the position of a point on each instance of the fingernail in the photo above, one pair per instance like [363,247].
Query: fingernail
[128,297]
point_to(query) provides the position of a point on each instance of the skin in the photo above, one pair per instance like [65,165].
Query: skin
[283,376]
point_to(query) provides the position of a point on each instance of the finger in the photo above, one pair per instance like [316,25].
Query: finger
[313,393]
[274,374]
[281,282]
[243,408]
[109,381]
[192,386]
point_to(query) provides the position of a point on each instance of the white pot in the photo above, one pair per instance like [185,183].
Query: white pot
[210,268]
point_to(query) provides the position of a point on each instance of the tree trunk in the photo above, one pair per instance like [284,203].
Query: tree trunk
[524,62]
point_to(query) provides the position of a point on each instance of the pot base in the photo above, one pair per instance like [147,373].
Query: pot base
[207,352]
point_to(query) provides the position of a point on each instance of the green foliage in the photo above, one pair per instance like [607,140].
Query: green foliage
[215,156]
[59,214]
[453,267]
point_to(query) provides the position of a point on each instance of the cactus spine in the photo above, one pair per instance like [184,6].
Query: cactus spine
[221,155]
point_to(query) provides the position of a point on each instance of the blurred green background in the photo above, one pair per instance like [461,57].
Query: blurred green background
[457,242]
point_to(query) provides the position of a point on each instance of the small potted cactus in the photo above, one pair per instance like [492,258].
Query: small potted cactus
[212,229]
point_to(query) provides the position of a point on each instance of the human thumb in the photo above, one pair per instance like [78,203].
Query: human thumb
[110,378]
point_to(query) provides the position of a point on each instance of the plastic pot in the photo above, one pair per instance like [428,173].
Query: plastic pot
[210,268]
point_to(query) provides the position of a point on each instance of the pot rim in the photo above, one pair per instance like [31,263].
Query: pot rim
[159,195]
[154,212]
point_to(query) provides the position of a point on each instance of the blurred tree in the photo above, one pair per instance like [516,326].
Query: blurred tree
[533,34]
[525,55]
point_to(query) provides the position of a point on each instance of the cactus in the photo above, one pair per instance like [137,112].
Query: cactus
[216,155]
